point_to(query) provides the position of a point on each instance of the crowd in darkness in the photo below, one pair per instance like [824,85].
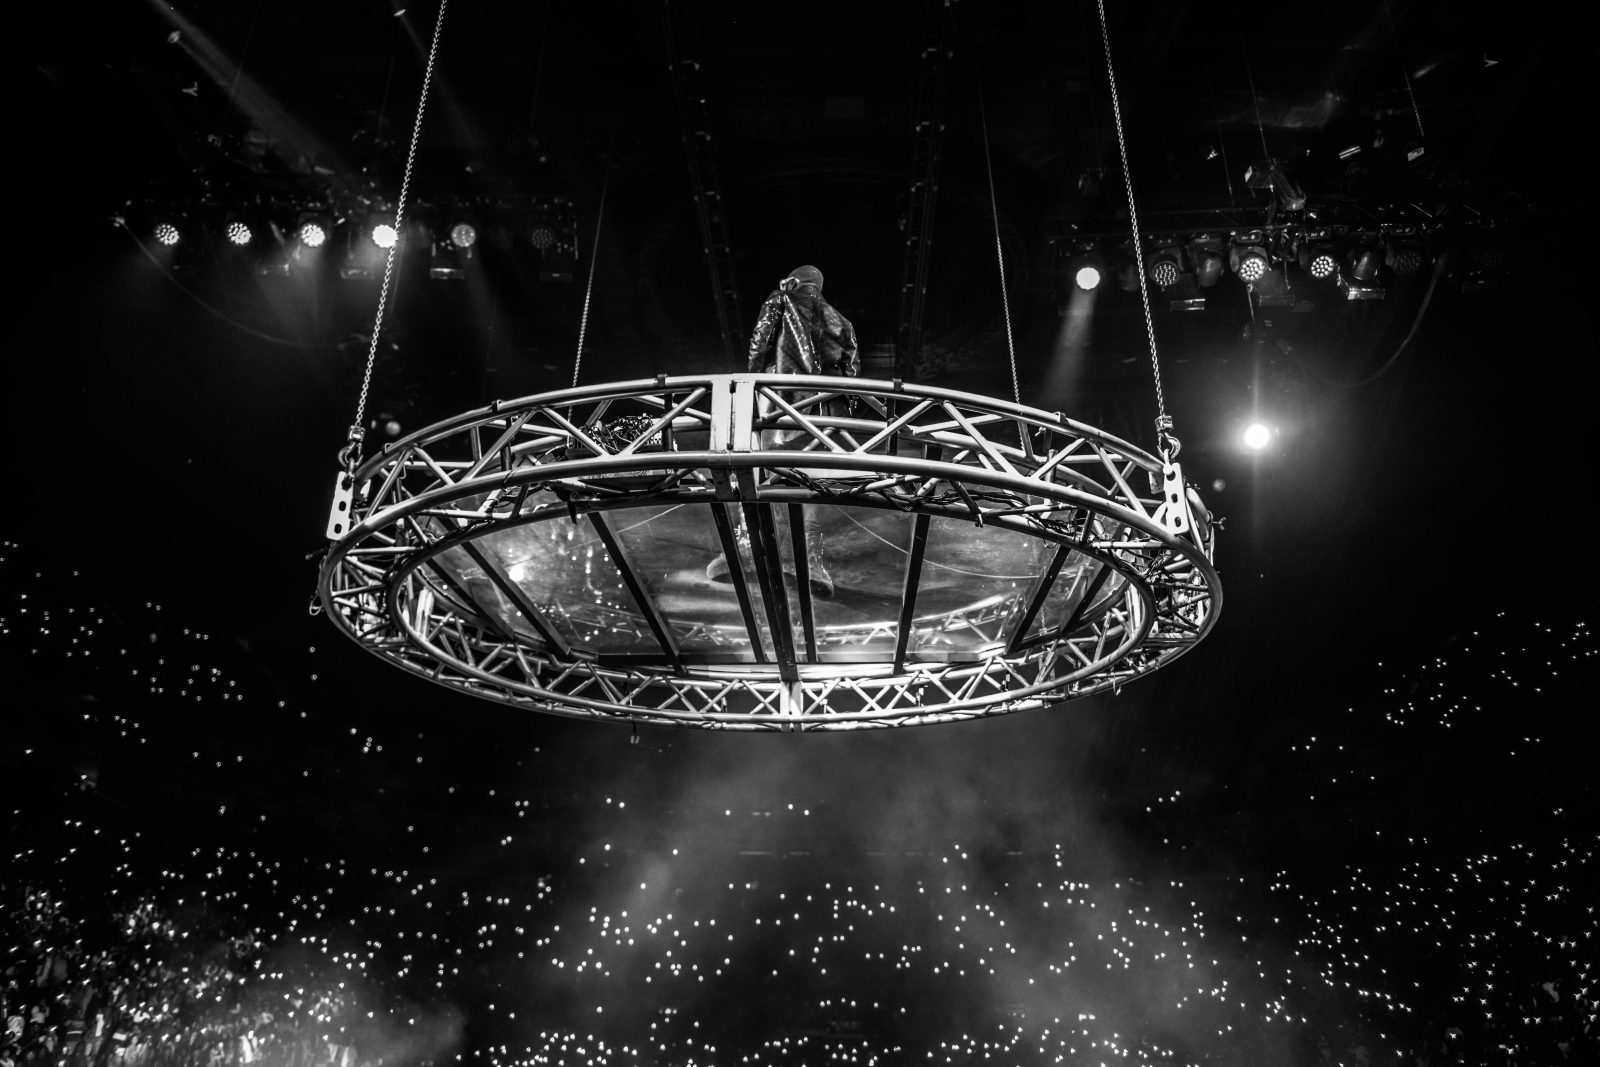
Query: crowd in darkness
[212,857]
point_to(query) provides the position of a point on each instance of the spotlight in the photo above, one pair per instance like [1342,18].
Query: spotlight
[1404,257]
[1249,260]
[167,234]
[384,235]
[1256,436]
[542,236]
[1086,268]
[1165,268]
[452,250]
[312,233]
[1363,262]
[1207,257]
[238,233]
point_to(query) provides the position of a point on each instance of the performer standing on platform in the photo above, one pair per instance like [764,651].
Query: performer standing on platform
[798,332]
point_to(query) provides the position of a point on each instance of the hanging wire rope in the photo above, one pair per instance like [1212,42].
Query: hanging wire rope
[999,253]
[238,70]
[1395,37]
[1169,443]
[1227,169]
[594,256]
[1416,321]
[352,448]
[1250,76]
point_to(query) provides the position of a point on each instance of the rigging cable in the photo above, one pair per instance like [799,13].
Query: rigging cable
[1427,298]
[1168,442]
[350,453]
[1395,37]
[999,254]
[1250,74]
[594,255]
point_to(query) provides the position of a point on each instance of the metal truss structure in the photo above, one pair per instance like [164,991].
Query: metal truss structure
[550,553]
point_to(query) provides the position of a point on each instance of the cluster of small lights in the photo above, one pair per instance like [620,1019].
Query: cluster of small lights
[167,234]
[1252,268]
[679,935]
[312,235]
[238,233]
[384,235]
[1164,272]
[1322,266]
[463,235]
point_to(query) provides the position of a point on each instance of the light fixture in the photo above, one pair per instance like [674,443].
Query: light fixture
[1206,255]
[1363,261]
[238,233]
[1256,436]
[1166,268]
[1248,259]
[542,235]
[384,235]
[463,234]
[312,233]
[167,233]
[1086,267]
[1404,256]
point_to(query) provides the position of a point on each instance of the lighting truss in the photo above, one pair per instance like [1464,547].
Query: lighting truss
[991,557]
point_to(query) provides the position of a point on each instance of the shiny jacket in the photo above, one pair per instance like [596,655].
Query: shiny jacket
[811,336]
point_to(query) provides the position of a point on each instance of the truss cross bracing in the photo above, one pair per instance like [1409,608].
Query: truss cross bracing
[552,553]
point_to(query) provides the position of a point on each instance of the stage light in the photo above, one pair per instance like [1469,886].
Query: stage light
[167,234]
[542,236]
[463,234]
[1404,257]
[1322,265]
[384,235]
[1363,262]
[1207,263]
[1256,436]
[1166,269]
[1249,261]
[311,233]
[238,233]
[1086,268]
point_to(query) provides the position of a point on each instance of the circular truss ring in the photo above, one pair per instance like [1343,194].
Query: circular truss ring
[770,552]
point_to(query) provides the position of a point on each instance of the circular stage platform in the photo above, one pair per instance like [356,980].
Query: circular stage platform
[986,557]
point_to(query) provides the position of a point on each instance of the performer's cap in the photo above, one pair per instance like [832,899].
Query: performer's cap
[807,276]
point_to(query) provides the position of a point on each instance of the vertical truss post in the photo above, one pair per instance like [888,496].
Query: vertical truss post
[926,136]
[706,183]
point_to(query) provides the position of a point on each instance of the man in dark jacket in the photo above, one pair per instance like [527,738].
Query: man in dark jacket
[798,332]
[813,339]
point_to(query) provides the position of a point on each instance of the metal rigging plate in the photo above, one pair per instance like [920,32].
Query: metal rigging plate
[552,552]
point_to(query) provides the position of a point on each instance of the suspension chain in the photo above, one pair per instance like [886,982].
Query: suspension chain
[594,256]
[350,454]
[1169,443]
[999,254]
